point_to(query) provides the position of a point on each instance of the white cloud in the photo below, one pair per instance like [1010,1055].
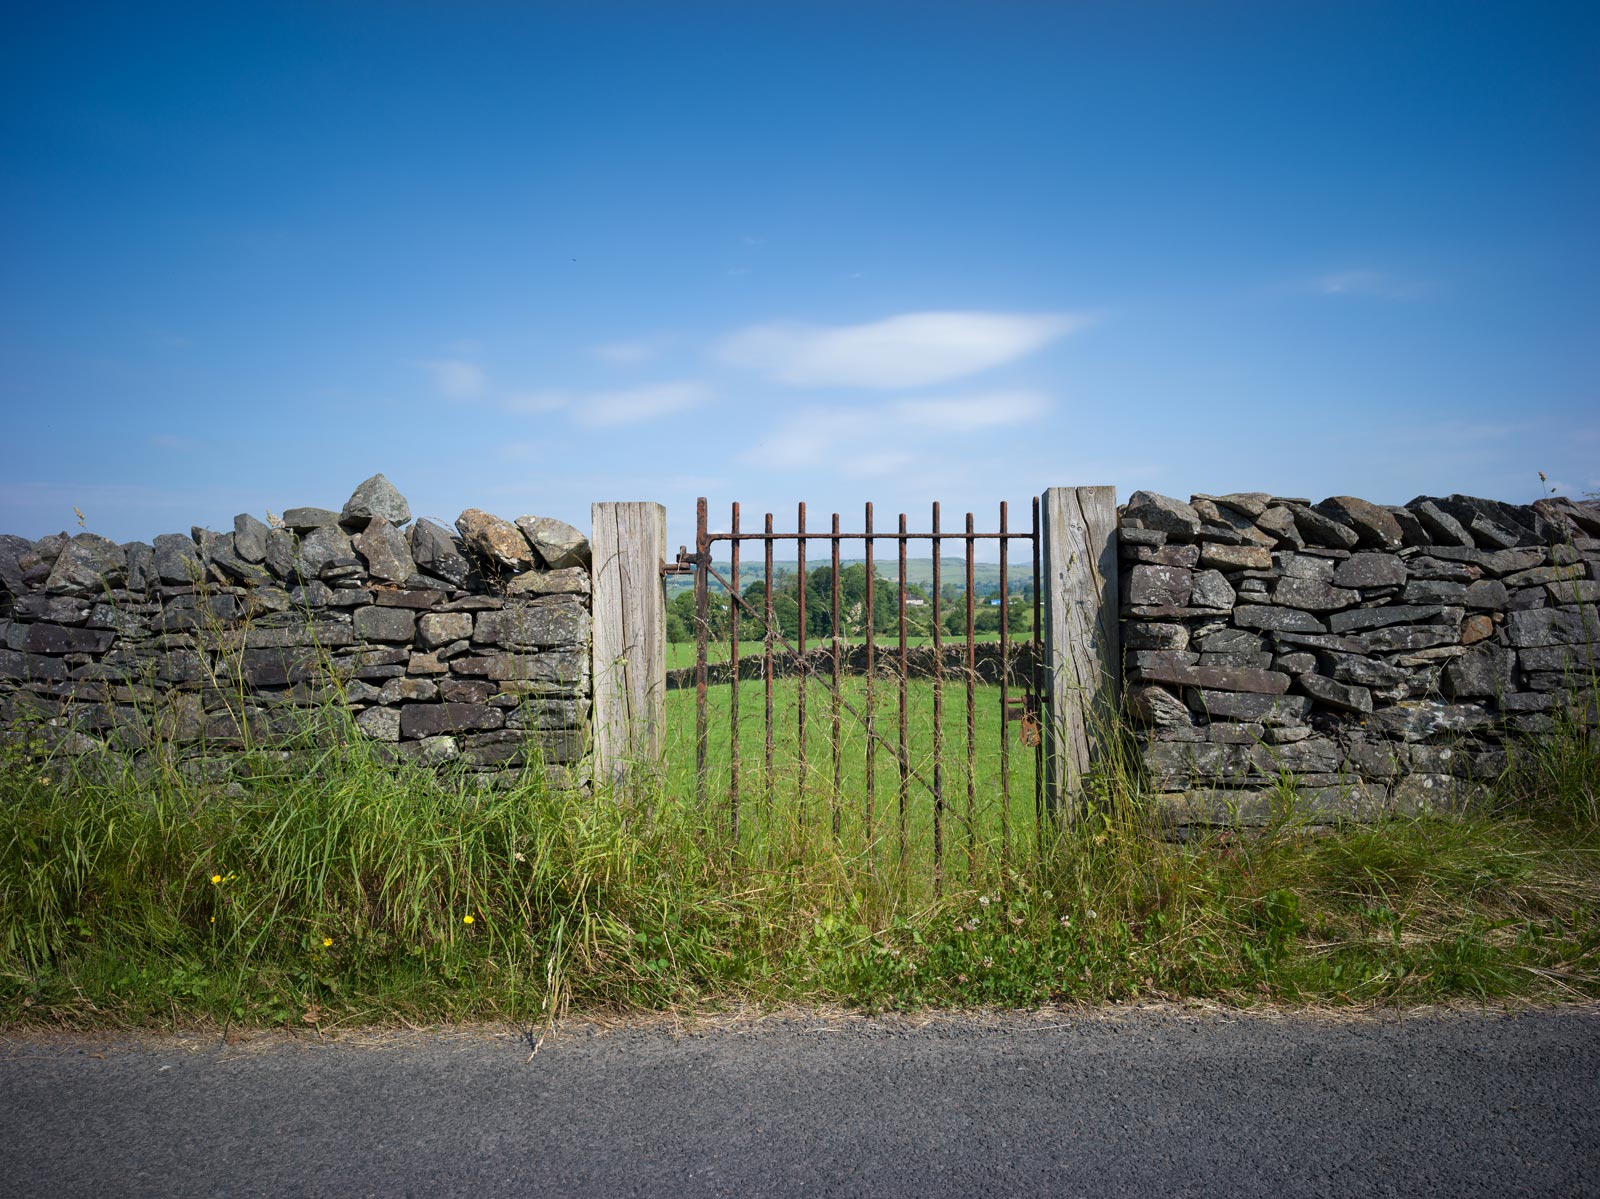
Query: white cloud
[607,409]
[916,349]
[969,413]
[456,378]
[880,440]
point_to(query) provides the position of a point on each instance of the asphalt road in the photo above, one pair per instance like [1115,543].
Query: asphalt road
[1124,1103]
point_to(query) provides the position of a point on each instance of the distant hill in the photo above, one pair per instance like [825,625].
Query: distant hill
[919,572]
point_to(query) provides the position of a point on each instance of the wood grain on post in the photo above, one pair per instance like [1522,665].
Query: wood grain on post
[1078,526]
[630,646]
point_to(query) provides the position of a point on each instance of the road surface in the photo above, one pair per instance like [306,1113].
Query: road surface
[1124,1102]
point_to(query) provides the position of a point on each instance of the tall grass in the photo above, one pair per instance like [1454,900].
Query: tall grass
[329,884]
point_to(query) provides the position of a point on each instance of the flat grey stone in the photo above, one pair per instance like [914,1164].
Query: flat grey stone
[1370,570]
[1484,670]
[1236,557]
[1268,710]
[431,720]
[539,624]
[1211,590]
[1434,591]
[303,520]
[1357,619]
[1374,526]
[384,624]
[1310,595]
[87,565]
[1154,635]
[1418,720]
[320,547]
[1159,586]
[1441,527]
[1279,521]
[1320,529]
[379,724]
[1266,616]
[441,628]
[1333,694]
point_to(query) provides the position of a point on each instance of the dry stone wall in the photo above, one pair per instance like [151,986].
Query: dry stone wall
[1382,655]
[469,644]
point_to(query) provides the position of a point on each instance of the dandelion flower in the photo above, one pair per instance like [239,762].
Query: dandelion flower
[326,942]
[466,920]
[215,879]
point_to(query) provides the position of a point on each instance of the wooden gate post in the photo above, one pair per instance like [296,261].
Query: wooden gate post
[1082,666]
[629,641]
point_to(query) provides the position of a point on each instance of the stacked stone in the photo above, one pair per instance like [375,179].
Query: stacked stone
[470,645]
[1379,654]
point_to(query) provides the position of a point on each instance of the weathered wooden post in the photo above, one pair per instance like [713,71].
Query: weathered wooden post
[629,641]
[1082,665]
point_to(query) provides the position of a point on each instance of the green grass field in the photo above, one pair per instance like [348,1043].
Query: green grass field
[977,822]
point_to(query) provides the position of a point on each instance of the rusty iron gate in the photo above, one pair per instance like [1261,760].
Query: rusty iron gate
[1017,671]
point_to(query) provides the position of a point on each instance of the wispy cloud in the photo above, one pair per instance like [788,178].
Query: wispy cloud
[456,378]
[872,441]
[609,409]
[1366,283]
[916,349]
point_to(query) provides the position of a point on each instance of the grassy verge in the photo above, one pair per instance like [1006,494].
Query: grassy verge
[336,888]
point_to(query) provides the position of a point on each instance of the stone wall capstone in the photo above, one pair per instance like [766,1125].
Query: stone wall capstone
[1381,655]
[469,645]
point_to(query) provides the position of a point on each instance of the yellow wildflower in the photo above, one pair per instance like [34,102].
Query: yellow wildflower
[466,920]
[326,942]
[215,879]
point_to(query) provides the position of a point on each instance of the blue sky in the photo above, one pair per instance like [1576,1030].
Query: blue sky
[523,257]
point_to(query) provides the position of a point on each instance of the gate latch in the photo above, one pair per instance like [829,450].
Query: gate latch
[684,565]
[1025,708]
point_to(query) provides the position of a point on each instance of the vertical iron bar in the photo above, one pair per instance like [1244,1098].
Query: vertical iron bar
[838,666]
[972,699]
[701,627]
[1037,672]
[872,612]
[905,671]
[800,672]
[1005,693]
[733,683]
[938,718]
[766,669]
